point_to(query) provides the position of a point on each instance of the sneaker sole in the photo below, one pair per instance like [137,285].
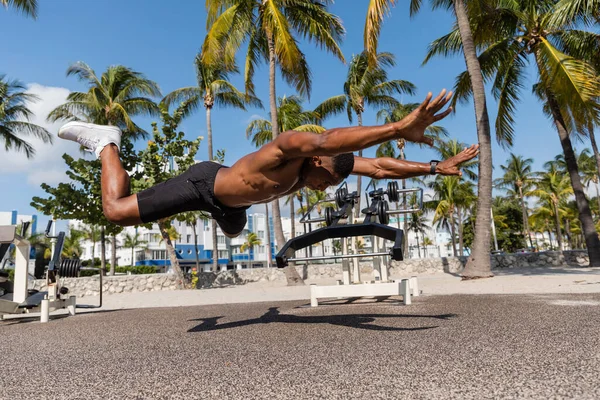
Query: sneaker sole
[108,129]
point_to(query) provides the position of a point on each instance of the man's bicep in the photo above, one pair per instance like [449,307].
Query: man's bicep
[366,167]
[299,144]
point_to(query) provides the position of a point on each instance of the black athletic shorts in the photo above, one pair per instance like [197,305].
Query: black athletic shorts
[191,191]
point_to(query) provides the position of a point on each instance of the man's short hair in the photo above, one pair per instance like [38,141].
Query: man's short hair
[343,164]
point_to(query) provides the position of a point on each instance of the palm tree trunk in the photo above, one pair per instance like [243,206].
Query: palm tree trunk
[597,196]
[215,239]
[132,252]
[557,223]
[594,146]
[171,253]
[549,237]
[358,177]
[525,217]
[418,245]
[103,250]
[453,237]
[279,237]
[461,245]
[585,214]
[267,235]
[479,262]
[405,240]
[113,254]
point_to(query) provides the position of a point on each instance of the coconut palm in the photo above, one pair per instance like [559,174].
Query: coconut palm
[251,241]
[365,86]
[291,116]
[27,7]
[479,264]
[552,187]
[111,99]
[589,171]
[133,241]
[72,244]
[443,203]
[213,88]
[15,115]
[91,233]
[271,28]
[417,224]
[512,33]
[518,177]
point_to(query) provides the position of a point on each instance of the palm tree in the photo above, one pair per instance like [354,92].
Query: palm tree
[133,241]
[213,88]
[426,242]
[14,117]
[270,27]
[168,235]
[91,233]
[540,221]
[365,86]
[190,219]
[443,204]
[251,241]
[72,244]
[589,171]
[518,176]
[291,115]
[508,33]
[112,99]
[552,187]
[479,263]
[27,7]
[417,225]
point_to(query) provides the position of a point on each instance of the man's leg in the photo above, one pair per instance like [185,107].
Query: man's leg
[119,205]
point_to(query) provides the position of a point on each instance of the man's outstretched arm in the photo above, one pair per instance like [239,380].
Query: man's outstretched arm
[346,140]
[391,168]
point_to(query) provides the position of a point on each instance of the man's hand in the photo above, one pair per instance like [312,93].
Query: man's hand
[450,166]
[413,126]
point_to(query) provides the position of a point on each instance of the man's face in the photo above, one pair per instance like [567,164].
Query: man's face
[319,174]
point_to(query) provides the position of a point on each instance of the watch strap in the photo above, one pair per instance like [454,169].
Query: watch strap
[433,164]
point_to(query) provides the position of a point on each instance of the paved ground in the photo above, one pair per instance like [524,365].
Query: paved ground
[464,346]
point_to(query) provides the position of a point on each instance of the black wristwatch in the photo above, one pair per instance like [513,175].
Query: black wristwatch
[433,164]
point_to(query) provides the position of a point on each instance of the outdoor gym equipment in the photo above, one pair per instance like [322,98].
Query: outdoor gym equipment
[17,297]
[374,224]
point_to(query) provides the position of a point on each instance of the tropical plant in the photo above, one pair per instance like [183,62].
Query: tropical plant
[443,204]
[479,264]
[167,154]
[365,86]
[509,34]
[552,187]
[518,179]
[15,115]
[91,233]
[72,244]
[190,219]
[133,241]
[213,88]
[27,7]
[417,224]
[111,99]
[589,172]
[270,28]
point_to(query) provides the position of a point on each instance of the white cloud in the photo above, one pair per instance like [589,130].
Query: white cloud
[47,165]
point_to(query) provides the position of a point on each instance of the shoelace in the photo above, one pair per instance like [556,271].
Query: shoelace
[89,144]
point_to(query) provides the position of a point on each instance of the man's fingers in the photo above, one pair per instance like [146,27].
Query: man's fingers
[442,115]
[425,102]
[428,140]
[437,100]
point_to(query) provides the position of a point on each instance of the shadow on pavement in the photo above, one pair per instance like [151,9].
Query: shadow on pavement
[360,321]
[546,271]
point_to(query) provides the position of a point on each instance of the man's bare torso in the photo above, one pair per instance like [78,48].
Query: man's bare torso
[259,177]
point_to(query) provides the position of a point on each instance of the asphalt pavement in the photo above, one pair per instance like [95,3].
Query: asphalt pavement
[539,346]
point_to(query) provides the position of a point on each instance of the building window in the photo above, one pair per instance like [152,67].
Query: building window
[220,239]
[261,249]
[223,254]
[261,234]
[189,238]
[159,254]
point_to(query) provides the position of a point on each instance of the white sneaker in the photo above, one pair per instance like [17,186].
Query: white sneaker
[93,137]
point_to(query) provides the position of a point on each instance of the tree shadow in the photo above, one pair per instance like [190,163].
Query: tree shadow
[359,321]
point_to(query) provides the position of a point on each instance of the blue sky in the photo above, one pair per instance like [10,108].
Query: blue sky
[160,39]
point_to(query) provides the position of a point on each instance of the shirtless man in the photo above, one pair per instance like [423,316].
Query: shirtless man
[290,162]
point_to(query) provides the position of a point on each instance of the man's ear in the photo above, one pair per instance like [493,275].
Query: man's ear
[317,161]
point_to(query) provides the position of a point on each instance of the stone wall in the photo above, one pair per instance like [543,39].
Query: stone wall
[88,286]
